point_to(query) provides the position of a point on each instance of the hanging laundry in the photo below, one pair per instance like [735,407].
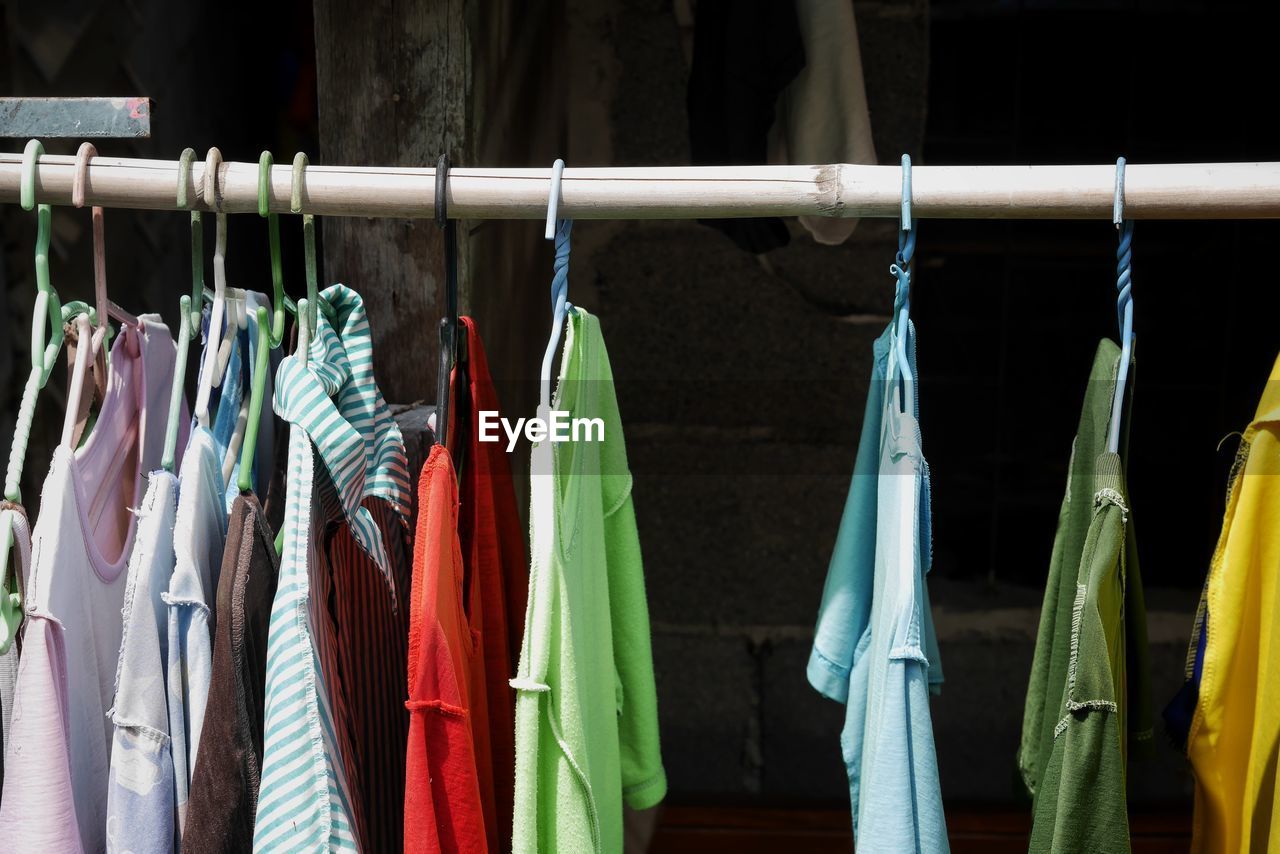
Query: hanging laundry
[875,649]
[228,768]
[1236,725]
[55,792]
[464,610]
[227,771]
[199,540]
[822,114]
[20,566]
[369,616]
[495,584]
[744,55]
[141,813]
[1088,704]
[586,707]
[264,451]
[442,808]
[344,449]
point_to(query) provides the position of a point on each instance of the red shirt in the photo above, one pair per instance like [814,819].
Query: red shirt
[495,587]
[442,810]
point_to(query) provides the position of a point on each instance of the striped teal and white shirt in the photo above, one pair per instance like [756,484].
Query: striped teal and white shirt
[344,446]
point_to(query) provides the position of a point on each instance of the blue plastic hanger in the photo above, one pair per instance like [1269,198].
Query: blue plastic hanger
[1124,306]
[901,268]
[559,230]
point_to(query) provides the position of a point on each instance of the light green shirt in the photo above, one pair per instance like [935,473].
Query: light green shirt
[586,708]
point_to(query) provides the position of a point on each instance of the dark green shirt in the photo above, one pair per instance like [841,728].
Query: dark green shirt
[1089,695]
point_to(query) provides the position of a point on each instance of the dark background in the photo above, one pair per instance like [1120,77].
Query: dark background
[1010,312]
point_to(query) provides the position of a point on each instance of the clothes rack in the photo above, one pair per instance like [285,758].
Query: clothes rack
[1152,191]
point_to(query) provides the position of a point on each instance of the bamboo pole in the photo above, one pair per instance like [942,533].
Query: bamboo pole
[1152,191]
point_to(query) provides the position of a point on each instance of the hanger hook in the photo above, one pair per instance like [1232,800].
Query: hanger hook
[265,163]
[300,164]
[906,233]
[449,323]
[30,160]
[212,161]
[442,188]
[84,154]
[314,302]
[553,200]
[905,217]
[184,177]
[1124,251]
[1117,205]
[1124,306]
[192,306]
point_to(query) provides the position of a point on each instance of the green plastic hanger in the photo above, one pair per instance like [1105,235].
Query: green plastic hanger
[46,341]
[189,320]
[270,332]
[261,366]
[308,238]
[277,266]
[314,300]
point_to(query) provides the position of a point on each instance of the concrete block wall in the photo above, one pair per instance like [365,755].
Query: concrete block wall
[741,385]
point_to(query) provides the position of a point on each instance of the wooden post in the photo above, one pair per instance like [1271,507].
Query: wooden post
[392,89]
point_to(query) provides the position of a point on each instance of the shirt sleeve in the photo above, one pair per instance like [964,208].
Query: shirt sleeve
[644,782]
[845,612]
[1081,803]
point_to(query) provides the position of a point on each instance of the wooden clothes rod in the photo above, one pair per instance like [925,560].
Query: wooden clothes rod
[1172,191]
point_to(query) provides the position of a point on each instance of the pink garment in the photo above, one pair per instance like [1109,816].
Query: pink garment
[57,757]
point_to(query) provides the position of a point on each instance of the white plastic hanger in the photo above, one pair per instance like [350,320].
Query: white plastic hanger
[559,230]
[209,374]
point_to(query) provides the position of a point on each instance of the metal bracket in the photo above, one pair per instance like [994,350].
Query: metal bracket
[78,118]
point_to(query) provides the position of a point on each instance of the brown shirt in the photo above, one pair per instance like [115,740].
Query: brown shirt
[224,785]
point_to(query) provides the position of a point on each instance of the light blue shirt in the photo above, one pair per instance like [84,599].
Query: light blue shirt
[140,790]
[875,649]
[200,533]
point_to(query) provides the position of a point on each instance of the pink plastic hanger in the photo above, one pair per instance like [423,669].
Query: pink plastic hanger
[106,308]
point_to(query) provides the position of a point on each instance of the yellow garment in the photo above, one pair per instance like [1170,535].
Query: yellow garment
[1236,727]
